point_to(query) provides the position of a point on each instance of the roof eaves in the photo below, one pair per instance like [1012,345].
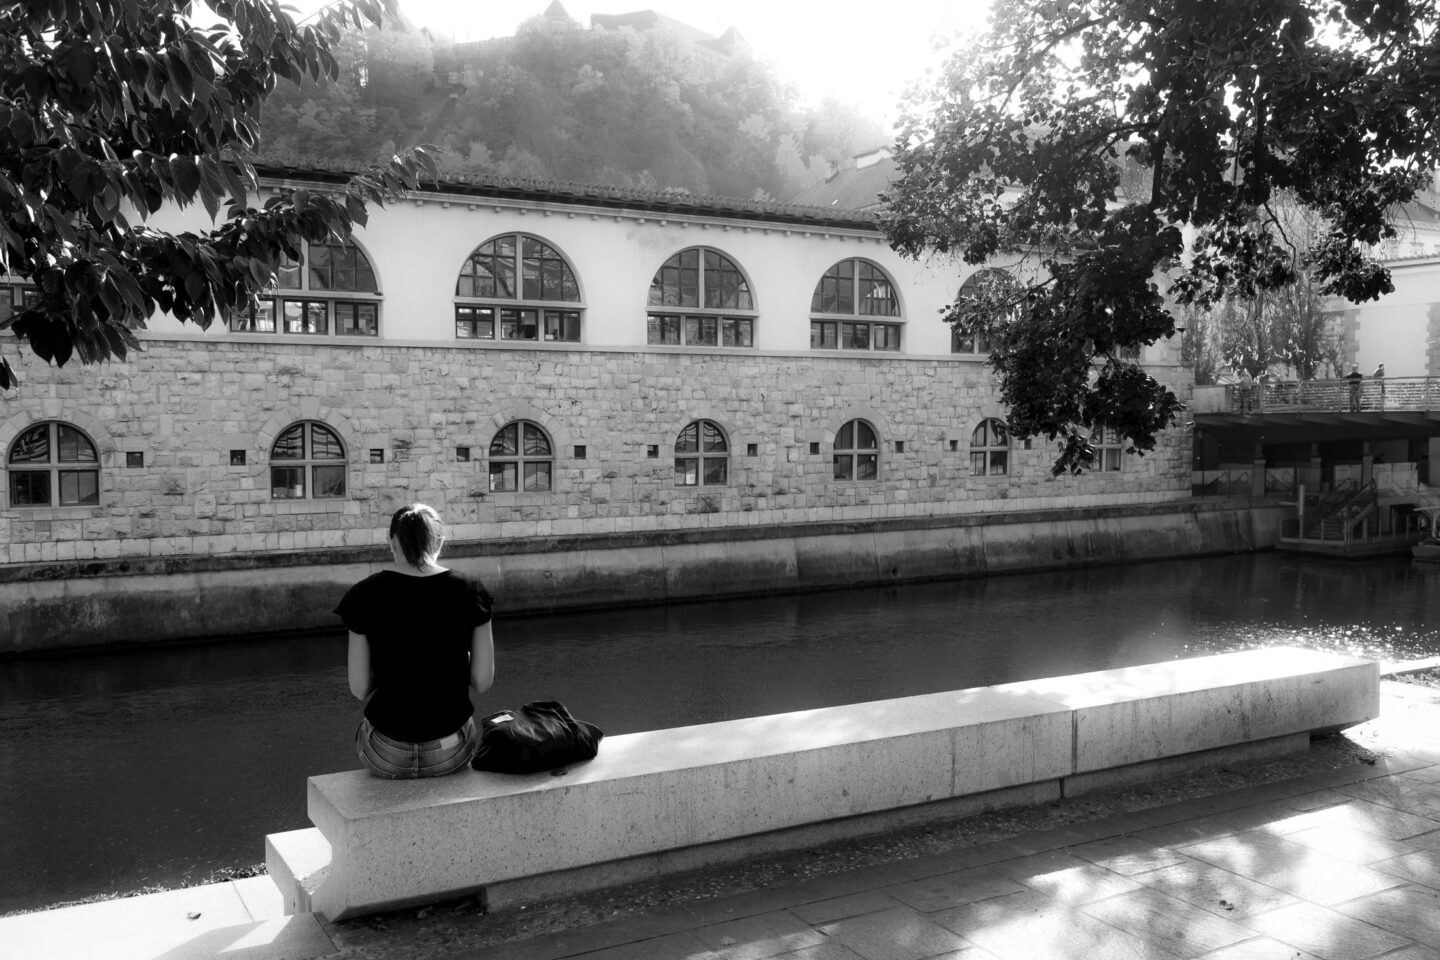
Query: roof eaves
[659,201]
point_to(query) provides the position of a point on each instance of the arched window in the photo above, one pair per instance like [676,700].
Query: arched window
[521,458]
[333,291]
[857,452]
[509,289]
[53,464]
[990,449]
[1109,450]
[699,298]
[980,285]
[702,455]
[307,462]
[854,289]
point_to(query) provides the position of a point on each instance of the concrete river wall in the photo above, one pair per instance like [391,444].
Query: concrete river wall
[48,606]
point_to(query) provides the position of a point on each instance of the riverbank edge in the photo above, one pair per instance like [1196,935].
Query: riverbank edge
[54,607]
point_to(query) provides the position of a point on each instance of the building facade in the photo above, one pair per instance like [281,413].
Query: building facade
[540,362]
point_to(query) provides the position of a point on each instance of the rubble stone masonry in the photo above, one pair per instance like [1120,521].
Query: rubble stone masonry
[187,402]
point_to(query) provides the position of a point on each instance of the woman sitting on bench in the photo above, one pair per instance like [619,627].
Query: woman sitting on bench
[420,640]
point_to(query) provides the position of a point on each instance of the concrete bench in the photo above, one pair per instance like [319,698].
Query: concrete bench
[667,800]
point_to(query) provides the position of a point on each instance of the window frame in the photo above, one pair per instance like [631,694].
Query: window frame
[54,469]
[543,314]
[308,464]
[521,459]
[702,456]
[1109,451]
[992,443]
[271,309]
[839,328]
[733,327]
[983,344]
[16,295]
[853,453]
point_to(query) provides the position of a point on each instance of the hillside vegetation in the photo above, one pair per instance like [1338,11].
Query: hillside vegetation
[611,107]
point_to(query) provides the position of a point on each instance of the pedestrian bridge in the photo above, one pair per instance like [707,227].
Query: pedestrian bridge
[1317,411]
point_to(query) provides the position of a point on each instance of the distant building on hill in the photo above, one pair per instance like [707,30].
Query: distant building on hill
[710,50]
[856,187]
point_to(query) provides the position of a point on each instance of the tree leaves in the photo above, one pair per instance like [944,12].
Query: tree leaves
[1089,134]
[161,111]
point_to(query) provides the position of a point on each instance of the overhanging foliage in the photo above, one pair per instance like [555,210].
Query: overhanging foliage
[1136,148]
[110,109]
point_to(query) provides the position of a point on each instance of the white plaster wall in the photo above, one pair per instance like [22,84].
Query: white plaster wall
[418,245]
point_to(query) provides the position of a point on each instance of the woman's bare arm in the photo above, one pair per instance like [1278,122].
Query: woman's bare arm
[482,658]
[362,679]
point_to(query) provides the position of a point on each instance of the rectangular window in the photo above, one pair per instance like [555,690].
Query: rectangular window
[887,336]
[702,331]
[134,458]
[462,454]
[716,470]
[580,451]
[1111,458]
[844,467]
[329,481]
[237,458]
[357,319]
[823,335]
[287,483]
[866,466]
[855,336]
[562,325]
[502,477]
[516,324]
[377,454]
[262,321]
[663,329]
[687,471]
[967,343]
[537,477]
[79,488]
[474,323]
[738,332]
[306,316]
[29,488]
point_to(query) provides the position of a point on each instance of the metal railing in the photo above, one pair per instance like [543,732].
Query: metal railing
[1334,396]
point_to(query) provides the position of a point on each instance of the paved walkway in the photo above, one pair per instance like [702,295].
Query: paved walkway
[1338,866]
[1343,865]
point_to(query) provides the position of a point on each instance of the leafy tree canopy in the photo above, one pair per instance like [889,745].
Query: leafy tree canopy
[110,109]
[1030,142]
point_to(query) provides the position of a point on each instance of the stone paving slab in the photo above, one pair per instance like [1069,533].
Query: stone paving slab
[234,919]
[1342,865]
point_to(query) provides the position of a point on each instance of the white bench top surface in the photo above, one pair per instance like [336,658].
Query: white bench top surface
[355,794]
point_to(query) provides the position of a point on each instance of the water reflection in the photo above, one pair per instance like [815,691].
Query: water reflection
[160,764]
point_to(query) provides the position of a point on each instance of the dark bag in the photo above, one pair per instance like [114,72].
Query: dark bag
[541,735]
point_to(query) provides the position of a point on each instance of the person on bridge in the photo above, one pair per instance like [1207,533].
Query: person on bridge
[1379,375]
[420,641]
[1356,378]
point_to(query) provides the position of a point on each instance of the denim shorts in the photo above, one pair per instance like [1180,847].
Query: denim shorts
[401,760]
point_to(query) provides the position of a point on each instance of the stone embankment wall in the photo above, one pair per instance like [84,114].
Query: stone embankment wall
[48,606]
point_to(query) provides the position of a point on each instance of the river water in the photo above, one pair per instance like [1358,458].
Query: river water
[158,765]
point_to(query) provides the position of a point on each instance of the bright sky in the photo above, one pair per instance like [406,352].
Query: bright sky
[862,53]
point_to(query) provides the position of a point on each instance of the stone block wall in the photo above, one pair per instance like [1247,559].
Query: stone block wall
[187,402]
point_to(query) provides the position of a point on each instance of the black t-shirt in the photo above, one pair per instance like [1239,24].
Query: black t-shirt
[419,630]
